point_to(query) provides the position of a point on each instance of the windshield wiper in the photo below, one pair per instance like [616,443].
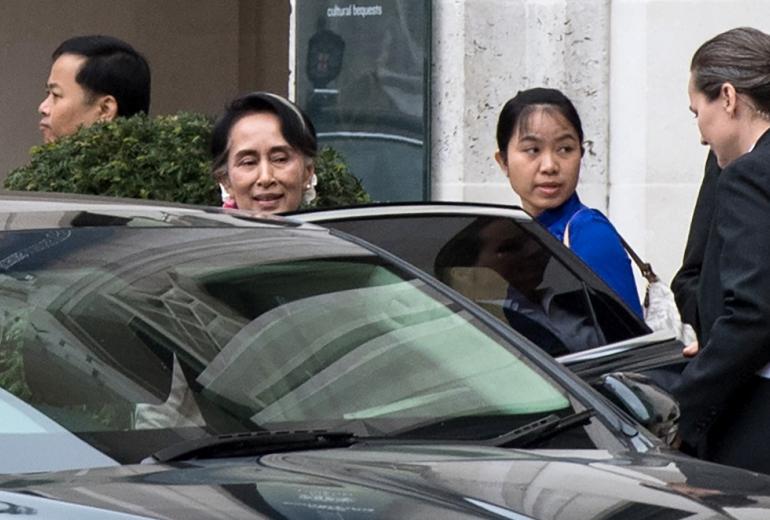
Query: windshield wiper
[253,443]
[541,429]
[263,442]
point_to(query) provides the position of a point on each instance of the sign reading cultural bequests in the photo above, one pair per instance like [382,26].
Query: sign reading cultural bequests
[362,78]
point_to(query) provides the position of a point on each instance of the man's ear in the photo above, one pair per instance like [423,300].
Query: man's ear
[108,108]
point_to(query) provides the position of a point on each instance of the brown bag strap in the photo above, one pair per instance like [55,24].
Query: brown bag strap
[644,267]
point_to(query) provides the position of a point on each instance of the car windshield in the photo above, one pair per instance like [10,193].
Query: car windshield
[133,339]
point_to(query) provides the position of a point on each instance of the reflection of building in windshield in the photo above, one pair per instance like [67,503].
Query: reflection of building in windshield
[334,356]
[260,327]
[110,316]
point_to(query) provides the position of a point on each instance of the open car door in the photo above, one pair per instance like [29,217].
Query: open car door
[507,263]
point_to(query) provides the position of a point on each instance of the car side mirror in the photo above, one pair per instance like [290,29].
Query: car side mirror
[642,399]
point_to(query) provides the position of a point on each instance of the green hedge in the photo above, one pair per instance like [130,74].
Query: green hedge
[336,185]
[160,158]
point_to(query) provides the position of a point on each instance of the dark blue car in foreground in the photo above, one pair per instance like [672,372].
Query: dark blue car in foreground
[178,362]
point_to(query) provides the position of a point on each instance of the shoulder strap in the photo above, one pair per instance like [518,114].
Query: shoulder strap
[565,238]
[644,267]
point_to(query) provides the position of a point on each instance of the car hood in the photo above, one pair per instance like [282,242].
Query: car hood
[399,481]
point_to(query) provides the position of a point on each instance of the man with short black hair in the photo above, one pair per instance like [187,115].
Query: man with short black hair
[93,78]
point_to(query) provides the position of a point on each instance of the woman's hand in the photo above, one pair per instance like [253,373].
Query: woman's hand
[691,350]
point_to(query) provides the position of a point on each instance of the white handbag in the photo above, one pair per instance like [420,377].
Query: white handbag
[660,310]
[659,307]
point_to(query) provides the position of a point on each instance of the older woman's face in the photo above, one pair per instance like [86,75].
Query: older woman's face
[542,161]
[716,125]
[264,172]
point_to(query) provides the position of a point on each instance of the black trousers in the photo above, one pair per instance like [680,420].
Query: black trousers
[741,437]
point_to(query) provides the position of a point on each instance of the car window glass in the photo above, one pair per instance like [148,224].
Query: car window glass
[509,269]
[217,330]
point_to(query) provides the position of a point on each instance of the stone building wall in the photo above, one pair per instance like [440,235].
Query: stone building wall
[624,63]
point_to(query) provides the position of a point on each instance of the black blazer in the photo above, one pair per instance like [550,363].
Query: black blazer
[685,282]
[733,297]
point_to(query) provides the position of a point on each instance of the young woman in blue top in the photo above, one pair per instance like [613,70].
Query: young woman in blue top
[540,145]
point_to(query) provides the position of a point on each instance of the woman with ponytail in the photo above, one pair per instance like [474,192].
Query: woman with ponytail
[724,392]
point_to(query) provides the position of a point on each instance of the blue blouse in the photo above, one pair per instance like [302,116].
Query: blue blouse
[594,240]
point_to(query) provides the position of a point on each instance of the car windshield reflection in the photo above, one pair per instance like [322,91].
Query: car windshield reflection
[147,334]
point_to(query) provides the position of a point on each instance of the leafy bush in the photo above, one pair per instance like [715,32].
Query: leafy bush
[161,158]
[336,185]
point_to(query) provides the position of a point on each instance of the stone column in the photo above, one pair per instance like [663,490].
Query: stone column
[484,51]
[656,159]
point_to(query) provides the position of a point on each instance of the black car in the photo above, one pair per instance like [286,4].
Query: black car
[177,362]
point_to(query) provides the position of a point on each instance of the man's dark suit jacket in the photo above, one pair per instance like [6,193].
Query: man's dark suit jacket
[685,282]
[733,297]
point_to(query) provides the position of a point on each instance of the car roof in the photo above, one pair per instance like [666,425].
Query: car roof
[395,209]
[34,210]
